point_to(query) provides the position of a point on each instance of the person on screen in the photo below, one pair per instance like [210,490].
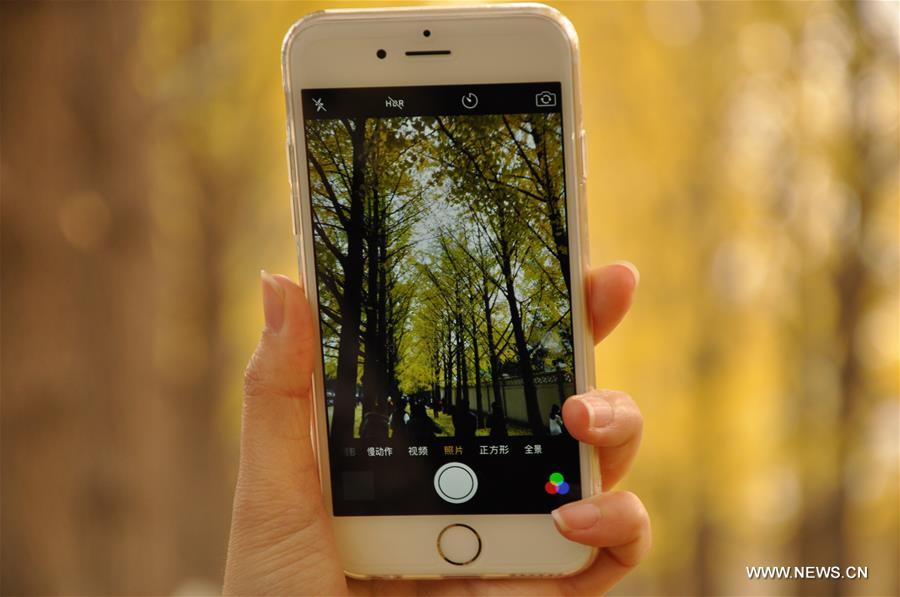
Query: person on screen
[399,419]
[421,428]
[556,421]
[497,422]
[464,420]
[374,425]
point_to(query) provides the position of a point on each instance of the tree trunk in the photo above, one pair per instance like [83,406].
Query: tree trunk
[348,344]
[99,398]
[560,238]
[385,304]
[492,345]
[531,403]
[448,371]
[555,215]
[823,534]
[462,394]
[477,366]
[371,335]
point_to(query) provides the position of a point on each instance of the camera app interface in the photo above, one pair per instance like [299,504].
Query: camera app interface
[442,270]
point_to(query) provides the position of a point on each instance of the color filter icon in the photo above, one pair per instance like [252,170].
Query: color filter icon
[556,485]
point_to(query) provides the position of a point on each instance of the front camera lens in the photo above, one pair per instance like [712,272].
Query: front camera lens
[381,54]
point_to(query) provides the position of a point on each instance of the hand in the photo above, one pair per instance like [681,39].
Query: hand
[281,537]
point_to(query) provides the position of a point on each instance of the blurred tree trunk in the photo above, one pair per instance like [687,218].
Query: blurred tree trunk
[78,394]
[708,356]
[97,495]
[824,531]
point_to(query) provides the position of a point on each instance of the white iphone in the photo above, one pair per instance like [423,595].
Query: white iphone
[437,167]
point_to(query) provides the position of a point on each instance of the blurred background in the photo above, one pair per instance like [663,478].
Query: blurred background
[743,155]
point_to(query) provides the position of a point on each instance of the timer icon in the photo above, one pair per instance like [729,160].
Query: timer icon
[469,101]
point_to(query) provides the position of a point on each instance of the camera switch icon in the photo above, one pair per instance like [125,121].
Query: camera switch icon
[545,99]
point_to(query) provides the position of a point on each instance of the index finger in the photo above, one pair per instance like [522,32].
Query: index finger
[609,291]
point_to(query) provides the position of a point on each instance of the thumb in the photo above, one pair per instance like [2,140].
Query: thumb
[281,537]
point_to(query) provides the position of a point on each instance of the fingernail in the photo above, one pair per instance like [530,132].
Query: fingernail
[600,411]
[633,269]
[273,301]
[298,283]
[576,517]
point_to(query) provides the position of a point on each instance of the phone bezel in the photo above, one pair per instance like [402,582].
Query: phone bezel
[526,42]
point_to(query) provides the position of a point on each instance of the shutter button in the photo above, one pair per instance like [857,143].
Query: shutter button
[455,482]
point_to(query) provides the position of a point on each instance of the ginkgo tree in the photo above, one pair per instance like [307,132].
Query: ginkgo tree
[442,259]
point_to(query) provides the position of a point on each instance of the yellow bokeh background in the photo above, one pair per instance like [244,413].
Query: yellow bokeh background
[743,155]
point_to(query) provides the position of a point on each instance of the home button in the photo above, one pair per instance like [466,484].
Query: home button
[459,544]
[455,482]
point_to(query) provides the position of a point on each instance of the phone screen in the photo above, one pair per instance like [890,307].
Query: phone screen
[441,255]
